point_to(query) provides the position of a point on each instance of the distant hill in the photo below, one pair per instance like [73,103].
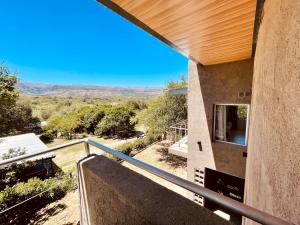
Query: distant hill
[91,91]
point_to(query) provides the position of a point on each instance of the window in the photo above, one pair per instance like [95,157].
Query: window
[231,123]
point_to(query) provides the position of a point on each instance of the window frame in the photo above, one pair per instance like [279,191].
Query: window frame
[247,123]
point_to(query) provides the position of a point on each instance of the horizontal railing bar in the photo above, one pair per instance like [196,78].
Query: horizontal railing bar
[228,203]
[179,128]
[27,156]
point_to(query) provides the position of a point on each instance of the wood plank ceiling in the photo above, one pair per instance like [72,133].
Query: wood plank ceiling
[209,31]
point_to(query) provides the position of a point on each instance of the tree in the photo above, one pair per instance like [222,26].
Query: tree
[66,125]
[116,122]
[90,117]
[165,110]
[85,119]
[8,97]
[14,117]
[21,120]
[8,92]
[180,84]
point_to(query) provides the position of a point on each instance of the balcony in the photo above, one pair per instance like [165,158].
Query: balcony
[179,134]
[110,193]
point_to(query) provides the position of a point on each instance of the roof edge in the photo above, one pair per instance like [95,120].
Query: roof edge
[119,10]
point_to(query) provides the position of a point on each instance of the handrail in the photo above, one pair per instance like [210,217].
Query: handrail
[27,156]
[226,202]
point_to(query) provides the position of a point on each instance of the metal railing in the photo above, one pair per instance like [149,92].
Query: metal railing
[226,202]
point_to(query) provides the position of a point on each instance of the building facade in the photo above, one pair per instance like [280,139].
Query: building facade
[243,94]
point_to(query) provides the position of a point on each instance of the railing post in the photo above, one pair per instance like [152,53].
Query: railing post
[86,147]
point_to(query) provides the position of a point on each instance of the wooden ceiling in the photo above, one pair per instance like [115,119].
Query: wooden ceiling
[209,31]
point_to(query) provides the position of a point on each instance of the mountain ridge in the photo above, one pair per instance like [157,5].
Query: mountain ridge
[62,90]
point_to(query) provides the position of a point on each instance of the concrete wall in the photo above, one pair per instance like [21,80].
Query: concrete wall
[209,85]
[116,195]
[273,164]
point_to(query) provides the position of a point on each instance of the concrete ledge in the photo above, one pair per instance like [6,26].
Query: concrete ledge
[117,195]
[175,150]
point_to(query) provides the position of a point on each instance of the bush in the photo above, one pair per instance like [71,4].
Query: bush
[47,136]
[125,148]
[139,143]
[53,188]
[15,173]
[116,122]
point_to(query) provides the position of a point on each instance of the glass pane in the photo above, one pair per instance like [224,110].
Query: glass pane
[230,123]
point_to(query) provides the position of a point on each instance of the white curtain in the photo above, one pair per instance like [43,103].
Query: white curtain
[221,122]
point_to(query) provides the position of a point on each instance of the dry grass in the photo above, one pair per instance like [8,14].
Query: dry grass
[66,159]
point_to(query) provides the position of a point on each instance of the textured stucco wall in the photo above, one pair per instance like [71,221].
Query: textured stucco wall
[209,85]
[117,195]
[273,164]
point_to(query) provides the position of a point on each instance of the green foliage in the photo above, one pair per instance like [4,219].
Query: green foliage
[66,125]
[10,178]
[116,122]
[136,105]
[180,84]
[138,144]
[14,117]
[101,120]
[45,107]
[165,110]
[14,173]
[20,120]
[8,97]
[90,117]
[52,188]
[47,136]
[8,93]
[85,119]
[21,191]
[242,112]
[125,148]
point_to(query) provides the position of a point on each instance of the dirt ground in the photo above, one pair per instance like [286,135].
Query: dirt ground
[157,155]
[62,212]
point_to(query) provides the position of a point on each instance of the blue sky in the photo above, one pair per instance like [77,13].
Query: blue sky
[82,42]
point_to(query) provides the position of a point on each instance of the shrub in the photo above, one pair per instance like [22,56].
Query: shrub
[135,105]
[47,136]
[14,173]
[53,188]
[152,137]
[116,122]
[125,148]
[139,143]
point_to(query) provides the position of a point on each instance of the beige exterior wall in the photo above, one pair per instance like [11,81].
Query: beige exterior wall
[116,195]
[209,85]
[273,164]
